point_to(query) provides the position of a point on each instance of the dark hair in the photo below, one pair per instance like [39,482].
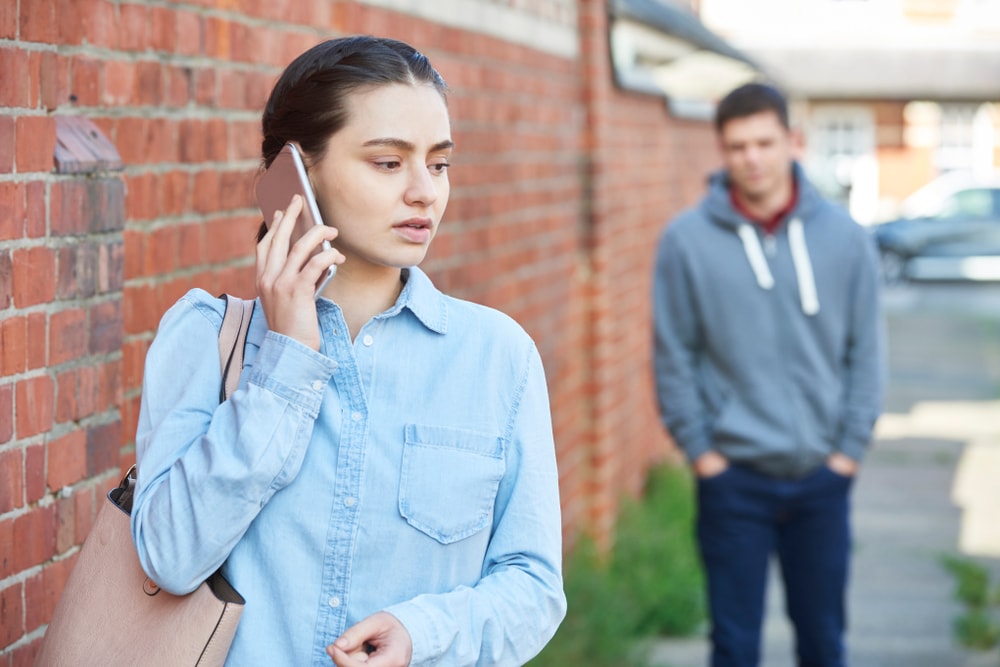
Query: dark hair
[307,104]
[750,99]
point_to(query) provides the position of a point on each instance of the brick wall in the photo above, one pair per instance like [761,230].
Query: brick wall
[560,186]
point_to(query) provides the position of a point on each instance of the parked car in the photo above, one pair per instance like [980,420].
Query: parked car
[960,241]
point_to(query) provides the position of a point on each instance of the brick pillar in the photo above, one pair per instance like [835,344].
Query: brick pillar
[61,278]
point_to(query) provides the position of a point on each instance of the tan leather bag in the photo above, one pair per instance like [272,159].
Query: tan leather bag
[111,613]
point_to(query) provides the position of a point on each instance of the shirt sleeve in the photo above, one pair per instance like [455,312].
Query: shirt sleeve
[675,351]
[515,608]
[206,469]
[865,359]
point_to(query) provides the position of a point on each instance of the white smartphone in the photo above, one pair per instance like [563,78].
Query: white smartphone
[284,178]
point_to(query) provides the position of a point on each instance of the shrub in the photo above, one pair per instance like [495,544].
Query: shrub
[651,584]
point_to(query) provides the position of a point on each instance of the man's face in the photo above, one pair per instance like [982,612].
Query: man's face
[757,151]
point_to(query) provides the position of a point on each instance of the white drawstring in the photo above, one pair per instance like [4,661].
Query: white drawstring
[800,258]
[755,255]
[803,267]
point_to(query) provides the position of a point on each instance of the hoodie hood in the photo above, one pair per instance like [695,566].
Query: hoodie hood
[719,209]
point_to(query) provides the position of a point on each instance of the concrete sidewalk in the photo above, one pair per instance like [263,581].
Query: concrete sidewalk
[930,486]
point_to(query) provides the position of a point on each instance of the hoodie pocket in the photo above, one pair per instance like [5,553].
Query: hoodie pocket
[449,480]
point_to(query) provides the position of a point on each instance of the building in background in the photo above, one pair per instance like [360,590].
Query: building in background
[890,94]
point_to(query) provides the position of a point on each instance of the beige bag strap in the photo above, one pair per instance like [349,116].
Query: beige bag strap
[232,339]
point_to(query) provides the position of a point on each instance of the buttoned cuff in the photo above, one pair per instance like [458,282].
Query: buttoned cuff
[292,371]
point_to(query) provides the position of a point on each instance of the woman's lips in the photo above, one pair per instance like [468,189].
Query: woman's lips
[415,231]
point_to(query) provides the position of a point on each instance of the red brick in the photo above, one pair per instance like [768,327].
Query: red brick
[133,24]
[53,80]
[78,393]
[6,283]
[110,267]
[87,205]
[65,524]
[102,28]
[6,555]
[130,418]
[12,472]
[161,29]
[71,18]
[178,86]
[191,245]
[7,140]
[193,141]
[35,603]
[106,327]
[38,21]
[236,190]
[33,276]
[84,511]
[206,191]
[103,444]
[35,144]
[162,250]
[6,415]
[33,406]
[11,614]
[143,202]
[13,345]
[85,77]
[205,87]
[149,84]
[118,82]
[68,339]
[109,386]
[188,39]
[133,361]
[36,209]
[36,342]
[13,82]
[34,473]
[8,20]
[174,188]
[35,535]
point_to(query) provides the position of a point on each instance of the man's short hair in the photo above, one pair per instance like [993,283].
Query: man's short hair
[750,99]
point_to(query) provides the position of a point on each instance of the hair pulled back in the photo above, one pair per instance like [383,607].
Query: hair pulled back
[308,103]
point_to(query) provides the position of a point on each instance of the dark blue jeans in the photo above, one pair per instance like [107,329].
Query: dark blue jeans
[744,517]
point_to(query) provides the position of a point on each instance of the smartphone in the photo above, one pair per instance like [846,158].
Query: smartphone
[284,178]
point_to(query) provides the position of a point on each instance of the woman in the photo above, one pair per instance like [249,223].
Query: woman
[382,486]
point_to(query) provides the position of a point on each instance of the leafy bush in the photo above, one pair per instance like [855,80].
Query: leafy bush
[978,627]
[651,584]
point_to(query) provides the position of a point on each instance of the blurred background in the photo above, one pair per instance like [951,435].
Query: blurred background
[129,144]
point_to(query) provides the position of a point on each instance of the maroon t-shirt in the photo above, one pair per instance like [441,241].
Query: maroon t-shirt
[770,224]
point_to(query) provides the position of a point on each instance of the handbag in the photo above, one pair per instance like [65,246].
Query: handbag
[110,612]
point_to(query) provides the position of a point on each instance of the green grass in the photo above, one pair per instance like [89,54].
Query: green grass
[978,627]
[650,585]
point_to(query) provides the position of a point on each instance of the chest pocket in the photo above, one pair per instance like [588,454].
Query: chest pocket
[449,480]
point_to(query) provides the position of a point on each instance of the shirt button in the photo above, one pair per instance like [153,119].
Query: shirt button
[349,501]
[356,416]
[334,365]
[335,602]
[368,340]
[317,384]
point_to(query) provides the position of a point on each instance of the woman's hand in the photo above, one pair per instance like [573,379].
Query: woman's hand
[377,641]
[287,277]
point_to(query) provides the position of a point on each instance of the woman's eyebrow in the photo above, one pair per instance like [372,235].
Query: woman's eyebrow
[407,146]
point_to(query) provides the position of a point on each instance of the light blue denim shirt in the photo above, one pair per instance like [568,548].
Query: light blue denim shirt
[411,471]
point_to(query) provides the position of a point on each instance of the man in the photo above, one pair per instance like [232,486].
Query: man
[769,369]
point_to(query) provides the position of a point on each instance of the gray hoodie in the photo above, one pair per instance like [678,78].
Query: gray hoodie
[768,349]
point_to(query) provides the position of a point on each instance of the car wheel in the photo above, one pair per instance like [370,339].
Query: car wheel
[893,267]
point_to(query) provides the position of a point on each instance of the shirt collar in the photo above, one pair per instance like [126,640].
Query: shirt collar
[422,299]
[770,224]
